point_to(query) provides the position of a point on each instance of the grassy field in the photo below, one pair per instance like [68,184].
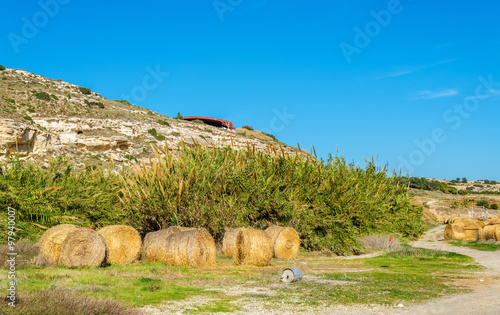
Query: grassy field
[406,275]
[479,245]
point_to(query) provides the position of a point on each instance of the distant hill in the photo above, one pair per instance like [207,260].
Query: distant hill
[41,118]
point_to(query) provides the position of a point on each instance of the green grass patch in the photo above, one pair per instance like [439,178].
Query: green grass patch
[484,246]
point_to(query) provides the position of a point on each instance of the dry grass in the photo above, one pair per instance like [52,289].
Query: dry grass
[379,241]
[64,302]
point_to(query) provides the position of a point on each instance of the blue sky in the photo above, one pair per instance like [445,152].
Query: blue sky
[415,83]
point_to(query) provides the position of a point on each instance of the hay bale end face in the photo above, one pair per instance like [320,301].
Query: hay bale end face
[229,242]
[253,247]
[83,247]
[51,242]
[155,244]
[123,244]
[285,241]
[192,248]
[454,232]
[489,232]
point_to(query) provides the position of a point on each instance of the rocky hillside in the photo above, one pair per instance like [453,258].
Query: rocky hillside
[41,118]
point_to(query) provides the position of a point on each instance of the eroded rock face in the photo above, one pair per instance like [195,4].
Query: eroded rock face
[84,139]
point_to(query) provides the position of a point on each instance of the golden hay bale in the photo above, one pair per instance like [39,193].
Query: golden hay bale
[473,235]
[253,247]
[155,244]
[494,220]
[450,220]
[489,232]
[123,244]
[51,242]
[439,218]
[229,242]
[481,223]
[454,232]
[468,223]
[285,241]
[497,232]
[83,247]
[193,248]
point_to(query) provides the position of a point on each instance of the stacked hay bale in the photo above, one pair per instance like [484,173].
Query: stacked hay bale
[51,242]
[83,247]
[229,242]
[191,248]
[123,244]
[472,229]
[490,232]
[454,232]
[155,244]
[285,241]
[253,247]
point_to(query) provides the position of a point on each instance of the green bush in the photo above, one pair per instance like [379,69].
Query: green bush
[31,109]
[2,68]
[42,96]
[198,121]
[176,134]
[494,206]
[270,135]
[331,203]
[123,102]
[482,203]
[152,132]
[28,118]
[247,127]
[85,90]
[179,116]
[100,105]
[163,122]
[54,97]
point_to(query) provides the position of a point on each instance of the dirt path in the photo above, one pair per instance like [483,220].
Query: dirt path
[485,300]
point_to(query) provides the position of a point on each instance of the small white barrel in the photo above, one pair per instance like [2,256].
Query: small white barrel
[291,275]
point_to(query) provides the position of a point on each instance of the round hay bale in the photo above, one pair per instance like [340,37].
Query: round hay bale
[209,245]
[497,232]
[489,232]
[190,248]
[473,235]
[123,244]
[229,242]
[285,241]
[494,220]
[83,247]
[155,244]
[51,242]
[468,223]
[253,247]
[454,232]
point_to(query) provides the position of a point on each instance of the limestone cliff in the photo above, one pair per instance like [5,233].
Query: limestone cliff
[41,118]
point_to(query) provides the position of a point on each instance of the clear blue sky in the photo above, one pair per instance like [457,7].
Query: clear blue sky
[399,80]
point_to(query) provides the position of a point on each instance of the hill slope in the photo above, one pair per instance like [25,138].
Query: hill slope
[41,118]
